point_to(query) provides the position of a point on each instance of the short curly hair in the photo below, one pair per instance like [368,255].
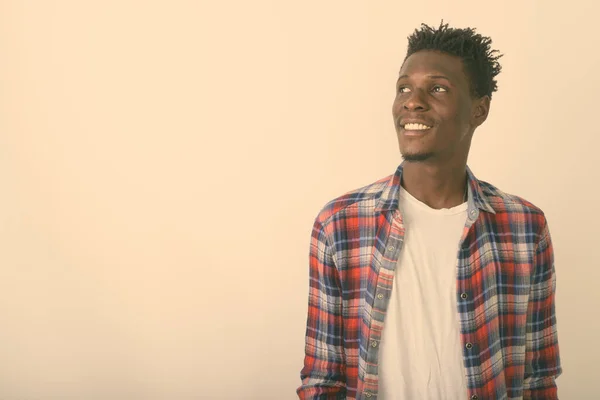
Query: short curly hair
[480,62]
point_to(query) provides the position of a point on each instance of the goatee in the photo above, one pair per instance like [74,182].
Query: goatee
[419,157]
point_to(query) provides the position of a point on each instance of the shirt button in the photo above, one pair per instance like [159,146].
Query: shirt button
[474,397]
[391,248]
[373,343]
[463,296]
[380,296]
[469,346]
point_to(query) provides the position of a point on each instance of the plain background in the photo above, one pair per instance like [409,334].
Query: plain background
[161,164]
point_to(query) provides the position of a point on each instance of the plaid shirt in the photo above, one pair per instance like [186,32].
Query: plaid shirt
[505,291]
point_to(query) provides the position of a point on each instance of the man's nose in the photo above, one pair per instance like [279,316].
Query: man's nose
[415,101]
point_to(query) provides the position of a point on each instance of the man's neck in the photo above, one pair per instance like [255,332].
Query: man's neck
[435,185]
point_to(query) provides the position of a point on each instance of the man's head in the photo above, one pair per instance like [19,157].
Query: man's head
[443,92]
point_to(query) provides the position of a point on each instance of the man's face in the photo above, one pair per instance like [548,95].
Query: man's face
[434,112]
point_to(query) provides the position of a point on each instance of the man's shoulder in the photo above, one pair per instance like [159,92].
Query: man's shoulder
[366,197]
[504,202]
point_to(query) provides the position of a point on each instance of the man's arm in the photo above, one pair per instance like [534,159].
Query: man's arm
[323,374]
[542,360]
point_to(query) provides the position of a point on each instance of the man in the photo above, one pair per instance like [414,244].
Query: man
[429,283]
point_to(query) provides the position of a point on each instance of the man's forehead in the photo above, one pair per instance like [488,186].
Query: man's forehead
[432,64]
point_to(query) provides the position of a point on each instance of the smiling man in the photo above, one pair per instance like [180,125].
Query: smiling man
[430,283]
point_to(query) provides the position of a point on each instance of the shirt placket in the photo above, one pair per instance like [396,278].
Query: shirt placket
[466,307]
[383,290]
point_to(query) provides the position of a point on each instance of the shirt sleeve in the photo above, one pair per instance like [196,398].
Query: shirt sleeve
[542,360]
[323,374]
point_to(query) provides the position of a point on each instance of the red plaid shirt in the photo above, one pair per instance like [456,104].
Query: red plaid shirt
[505,291]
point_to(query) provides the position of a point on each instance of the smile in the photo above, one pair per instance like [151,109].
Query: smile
[415,127]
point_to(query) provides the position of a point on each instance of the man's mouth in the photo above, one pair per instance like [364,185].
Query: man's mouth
[415,127]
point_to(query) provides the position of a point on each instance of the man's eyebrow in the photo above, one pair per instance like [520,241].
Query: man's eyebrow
[439,77]
[429,76]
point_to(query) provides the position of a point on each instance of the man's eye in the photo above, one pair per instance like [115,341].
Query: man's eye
[439,89]
[403,89]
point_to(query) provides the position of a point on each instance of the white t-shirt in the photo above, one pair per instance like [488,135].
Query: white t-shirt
[420,354]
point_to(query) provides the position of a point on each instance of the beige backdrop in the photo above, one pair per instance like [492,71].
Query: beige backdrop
[161,163]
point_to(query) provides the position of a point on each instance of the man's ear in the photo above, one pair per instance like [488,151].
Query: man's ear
[481,110]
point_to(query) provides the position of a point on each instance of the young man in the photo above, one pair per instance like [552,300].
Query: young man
[429,283]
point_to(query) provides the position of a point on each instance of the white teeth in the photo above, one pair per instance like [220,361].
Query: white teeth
[415,127]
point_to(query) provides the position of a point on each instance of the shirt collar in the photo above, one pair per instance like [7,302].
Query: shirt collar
[390,196]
